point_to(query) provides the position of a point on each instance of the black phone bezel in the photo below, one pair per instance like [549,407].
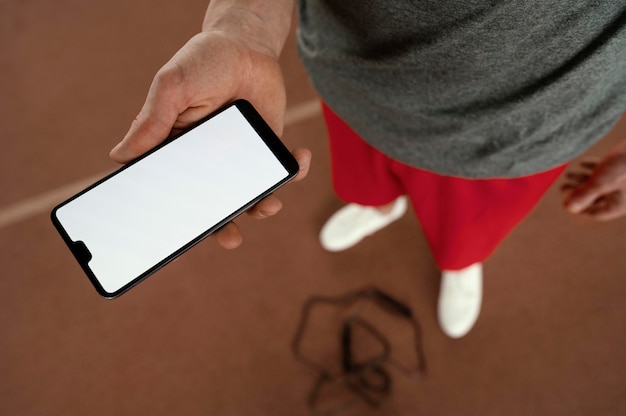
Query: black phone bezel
[80,250]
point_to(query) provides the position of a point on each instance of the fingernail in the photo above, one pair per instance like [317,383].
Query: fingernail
[116,147]
[573,206]
[116,153]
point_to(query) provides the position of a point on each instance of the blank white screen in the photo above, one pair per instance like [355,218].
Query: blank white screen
[141,216]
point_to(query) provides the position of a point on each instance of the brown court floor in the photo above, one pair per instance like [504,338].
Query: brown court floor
[211,333]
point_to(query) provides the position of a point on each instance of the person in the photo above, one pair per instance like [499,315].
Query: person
[469,109]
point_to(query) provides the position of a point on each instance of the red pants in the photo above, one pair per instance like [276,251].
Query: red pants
[463,220]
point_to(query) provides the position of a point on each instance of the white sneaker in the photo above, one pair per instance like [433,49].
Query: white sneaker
[460,297]
[353,222]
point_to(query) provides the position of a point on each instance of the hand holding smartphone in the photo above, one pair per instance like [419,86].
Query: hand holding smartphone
[136,220]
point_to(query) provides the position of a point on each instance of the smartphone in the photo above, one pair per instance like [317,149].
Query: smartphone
[134,221]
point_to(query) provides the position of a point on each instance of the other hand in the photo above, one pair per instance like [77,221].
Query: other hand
[598,189]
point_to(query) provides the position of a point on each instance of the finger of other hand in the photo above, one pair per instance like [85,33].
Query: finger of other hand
[606,208]
[584,196]
[577,177]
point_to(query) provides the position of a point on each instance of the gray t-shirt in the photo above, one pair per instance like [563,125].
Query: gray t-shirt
[470,88]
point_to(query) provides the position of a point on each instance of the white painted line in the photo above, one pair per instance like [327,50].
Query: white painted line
[44,202]
[302,112]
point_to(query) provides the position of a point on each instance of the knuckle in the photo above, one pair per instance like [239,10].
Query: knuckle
[170,76]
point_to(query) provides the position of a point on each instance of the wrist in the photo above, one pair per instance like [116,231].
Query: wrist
[260,24]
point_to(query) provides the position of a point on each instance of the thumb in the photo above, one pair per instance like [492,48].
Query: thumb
[151,126]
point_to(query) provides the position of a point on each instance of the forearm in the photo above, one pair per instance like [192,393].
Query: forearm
[263,24]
